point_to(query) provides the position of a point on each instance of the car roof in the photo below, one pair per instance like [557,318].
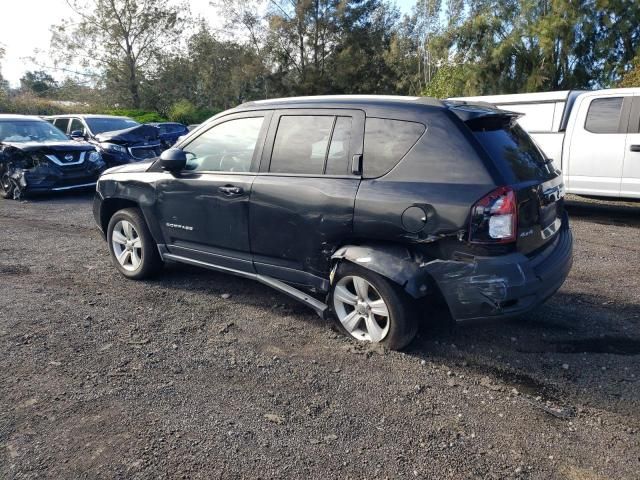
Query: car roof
[19,118]
[87,115]
[324,101]
[383,106]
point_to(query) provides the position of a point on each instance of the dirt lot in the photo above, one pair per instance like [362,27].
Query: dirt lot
[202,375]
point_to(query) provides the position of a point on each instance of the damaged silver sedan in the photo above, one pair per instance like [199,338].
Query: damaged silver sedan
[35,157]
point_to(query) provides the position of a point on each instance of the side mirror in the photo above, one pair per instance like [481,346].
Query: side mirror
[77,135]
[173,160]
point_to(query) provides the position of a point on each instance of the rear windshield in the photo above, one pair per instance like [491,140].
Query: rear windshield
[504,139]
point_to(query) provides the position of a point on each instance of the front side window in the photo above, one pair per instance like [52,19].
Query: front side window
[603,115]
[227,147]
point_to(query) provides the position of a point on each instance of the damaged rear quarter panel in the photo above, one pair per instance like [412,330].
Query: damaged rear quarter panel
[464,284]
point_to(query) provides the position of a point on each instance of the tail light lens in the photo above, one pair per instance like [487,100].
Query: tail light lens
[494,218]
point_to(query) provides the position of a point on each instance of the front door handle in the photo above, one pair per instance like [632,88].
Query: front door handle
[635,148]
[231,190]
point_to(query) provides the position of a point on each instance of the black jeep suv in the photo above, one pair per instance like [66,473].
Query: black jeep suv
[356,205]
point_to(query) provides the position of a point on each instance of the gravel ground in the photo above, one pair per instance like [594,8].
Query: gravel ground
[203,375]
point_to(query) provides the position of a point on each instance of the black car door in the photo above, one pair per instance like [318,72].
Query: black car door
[302,200]
[204,210]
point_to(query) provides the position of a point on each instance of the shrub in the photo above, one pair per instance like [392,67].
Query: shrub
[187,113]
[142,116]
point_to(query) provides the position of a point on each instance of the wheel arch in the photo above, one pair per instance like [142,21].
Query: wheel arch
[110,206]
[394,262]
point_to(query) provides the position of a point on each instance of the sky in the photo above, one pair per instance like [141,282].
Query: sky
[25,29]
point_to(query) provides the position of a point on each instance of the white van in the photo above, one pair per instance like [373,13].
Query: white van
[593,136]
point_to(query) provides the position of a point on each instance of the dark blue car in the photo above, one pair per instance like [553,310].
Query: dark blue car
[170,132]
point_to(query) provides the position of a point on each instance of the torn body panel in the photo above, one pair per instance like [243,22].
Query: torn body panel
[141,142]
[473,286]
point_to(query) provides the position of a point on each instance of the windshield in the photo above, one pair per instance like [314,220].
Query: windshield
[30,131]
[107,124]
[504,139]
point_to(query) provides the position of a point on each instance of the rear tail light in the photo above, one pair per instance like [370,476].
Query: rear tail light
[494,218]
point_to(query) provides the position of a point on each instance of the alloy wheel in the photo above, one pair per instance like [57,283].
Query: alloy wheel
[361,309]
[127,245]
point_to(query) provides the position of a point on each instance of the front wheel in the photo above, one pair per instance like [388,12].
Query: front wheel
[370,308]
[6,186]
[133,250]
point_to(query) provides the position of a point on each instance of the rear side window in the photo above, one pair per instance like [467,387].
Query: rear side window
[386,142]
[338,158]
[62,124]
[505,140]
[76,125]
[603,115]
[301,144]
[312,145]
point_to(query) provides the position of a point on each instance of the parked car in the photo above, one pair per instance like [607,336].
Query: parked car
[170,132]
[593,136]
[120,140]
[364,206]
[37,157]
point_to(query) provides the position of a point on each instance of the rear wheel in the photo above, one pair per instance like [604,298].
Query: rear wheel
[6,186]
[133,250]
[370,308]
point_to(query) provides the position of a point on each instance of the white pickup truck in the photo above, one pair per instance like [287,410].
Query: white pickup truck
[592,136]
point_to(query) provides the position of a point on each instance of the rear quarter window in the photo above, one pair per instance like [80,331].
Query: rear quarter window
[386,142]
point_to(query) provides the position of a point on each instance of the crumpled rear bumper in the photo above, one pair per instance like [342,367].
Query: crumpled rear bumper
[507,285]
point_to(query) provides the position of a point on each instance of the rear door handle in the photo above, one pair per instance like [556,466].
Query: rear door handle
[635,148]
[231,190]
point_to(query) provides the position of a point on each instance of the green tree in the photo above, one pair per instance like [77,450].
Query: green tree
[449,81]
[119,40]
[4,85]
[536,45]
[212,74]
[39,83]
[631,78]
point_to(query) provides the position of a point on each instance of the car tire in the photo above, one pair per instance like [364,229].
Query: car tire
[6,186]
[133,250]
[368,307]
